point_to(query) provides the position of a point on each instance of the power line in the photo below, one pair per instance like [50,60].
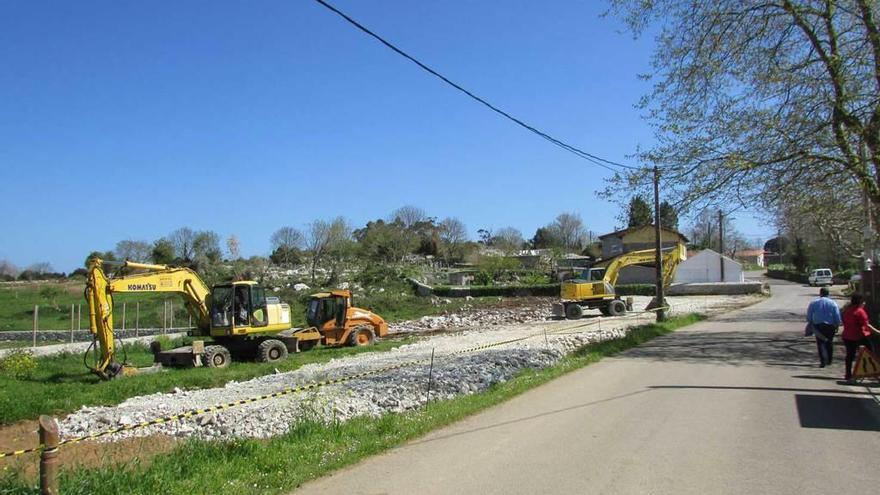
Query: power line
[602,162]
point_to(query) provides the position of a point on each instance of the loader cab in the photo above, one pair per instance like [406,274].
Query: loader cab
[327,307]
[240,304]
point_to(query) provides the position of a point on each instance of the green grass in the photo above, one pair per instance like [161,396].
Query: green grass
[17,303]
[312,448]
[62,384]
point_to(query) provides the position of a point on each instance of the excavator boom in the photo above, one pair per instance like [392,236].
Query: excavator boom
[156,278]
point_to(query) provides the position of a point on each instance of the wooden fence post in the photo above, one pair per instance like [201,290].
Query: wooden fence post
[171,311]
[123,317]
[49,456]
[72,313]
[137,318]
[36,322]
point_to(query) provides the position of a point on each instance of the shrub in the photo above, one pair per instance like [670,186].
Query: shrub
[19,364]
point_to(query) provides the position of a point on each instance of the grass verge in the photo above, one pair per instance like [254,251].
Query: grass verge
[312,448]
[62,384]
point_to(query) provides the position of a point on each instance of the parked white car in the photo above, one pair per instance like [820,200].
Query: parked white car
[821,276]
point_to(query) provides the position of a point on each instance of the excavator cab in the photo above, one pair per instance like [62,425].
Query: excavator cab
[241,304]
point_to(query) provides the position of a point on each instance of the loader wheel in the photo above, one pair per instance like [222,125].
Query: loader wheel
[617,307]
[270,351]
[217,356]
[574,311]
[360,336]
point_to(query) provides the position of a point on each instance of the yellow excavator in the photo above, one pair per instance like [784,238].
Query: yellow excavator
[241,320]
[595,287]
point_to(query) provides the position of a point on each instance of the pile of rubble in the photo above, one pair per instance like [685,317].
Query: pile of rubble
[470,317]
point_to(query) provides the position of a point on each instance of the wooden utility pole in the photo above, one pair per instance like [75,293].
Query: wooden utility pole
[658,255]
[721,240]
[49,438]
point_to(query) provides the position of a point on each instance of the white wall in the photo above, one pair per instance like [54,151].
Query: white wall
[705,266]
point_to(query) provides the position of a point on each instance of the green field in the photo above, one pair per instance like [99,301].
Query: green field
[61,383]
[312,448]
[146,310]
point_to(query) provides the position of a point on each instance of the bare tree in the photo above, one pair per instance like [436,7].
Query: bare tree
[508,239]
[286,243]
[133,250]
[324,239]
[233,247]
[408,216]
[453,236]
[570,230]
[41,268]
[8,269]
[183,241]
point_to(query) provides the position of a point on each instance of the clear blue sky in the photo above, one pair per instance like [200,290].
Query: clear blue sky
[126,120]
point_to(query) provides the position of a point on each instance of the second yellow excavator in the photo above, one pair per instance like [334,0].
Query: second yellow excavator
[595,288]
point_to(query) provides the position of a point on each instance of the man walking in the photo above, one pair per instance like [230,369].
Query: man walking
[824,315]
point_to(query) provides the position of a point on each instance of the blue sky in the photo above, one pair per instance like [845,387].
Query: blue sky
[125,120]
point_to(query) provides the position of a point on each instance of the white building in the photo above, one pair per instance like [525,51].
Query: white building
[705,266]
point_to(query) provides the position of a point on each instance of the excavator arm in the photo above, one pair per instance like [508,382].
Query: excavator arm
[157,278]
[670,259]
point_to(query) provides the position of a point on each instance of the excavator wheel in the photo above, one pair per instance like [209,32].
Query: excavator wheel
[574,311]
[271,350]
[616,307]
[361,335]
[217,356]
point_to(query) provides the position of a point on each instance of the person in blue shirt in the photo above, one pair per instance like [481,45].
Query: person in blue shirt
[824,315]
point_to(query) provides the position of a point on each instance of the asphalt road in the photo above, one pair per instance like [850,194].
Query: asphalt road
[736,404]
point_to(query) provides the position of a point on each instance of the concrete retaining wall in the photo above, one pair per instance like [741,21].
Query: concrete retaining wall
[718,288]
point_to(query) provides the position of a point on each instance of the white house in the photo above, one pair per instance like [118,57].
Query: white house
[705,266]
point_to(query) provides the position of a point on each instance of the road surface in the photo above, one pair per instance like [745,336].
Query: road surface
[736,404]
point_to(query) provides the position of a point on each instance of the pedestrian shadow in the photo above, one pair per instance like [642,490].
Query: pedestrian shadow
[786,350]
[837,413]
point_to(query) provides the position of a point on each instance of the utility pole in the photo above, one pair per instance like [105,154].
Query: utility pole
[721,240]
[658,256]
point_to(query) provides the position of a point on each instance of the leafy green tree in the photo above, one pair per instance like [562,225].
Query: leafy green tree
[386,241]
[668,216]
[162,252]
[756,102]
[640,214]
[287,243]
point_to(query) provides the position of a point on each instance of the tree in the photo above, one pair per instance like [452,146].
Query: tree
[132,250]
[8,269]
[162,252]
[706,234]
[327,239]
[754,102]
[640,214]
[206,248]
[408,216]
[544,238]
[668,216]
[453,236]
[182,241]
[569,230]
[386,242]
[508,240]
[233,248]
[286,245]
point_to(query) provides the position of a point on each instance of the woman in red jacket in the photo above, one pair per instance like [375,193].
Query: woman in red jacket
[856,331]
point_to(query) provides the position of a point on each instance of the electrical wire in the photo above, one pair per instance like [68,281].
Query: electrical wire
[597,160]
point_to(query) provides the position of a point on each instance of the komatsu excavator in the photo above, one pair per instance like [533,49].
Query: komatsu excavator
[595,288]
[238,317]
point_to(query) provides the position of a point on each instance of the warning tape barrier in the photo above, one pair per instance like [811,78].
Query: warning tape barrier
[287,391]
